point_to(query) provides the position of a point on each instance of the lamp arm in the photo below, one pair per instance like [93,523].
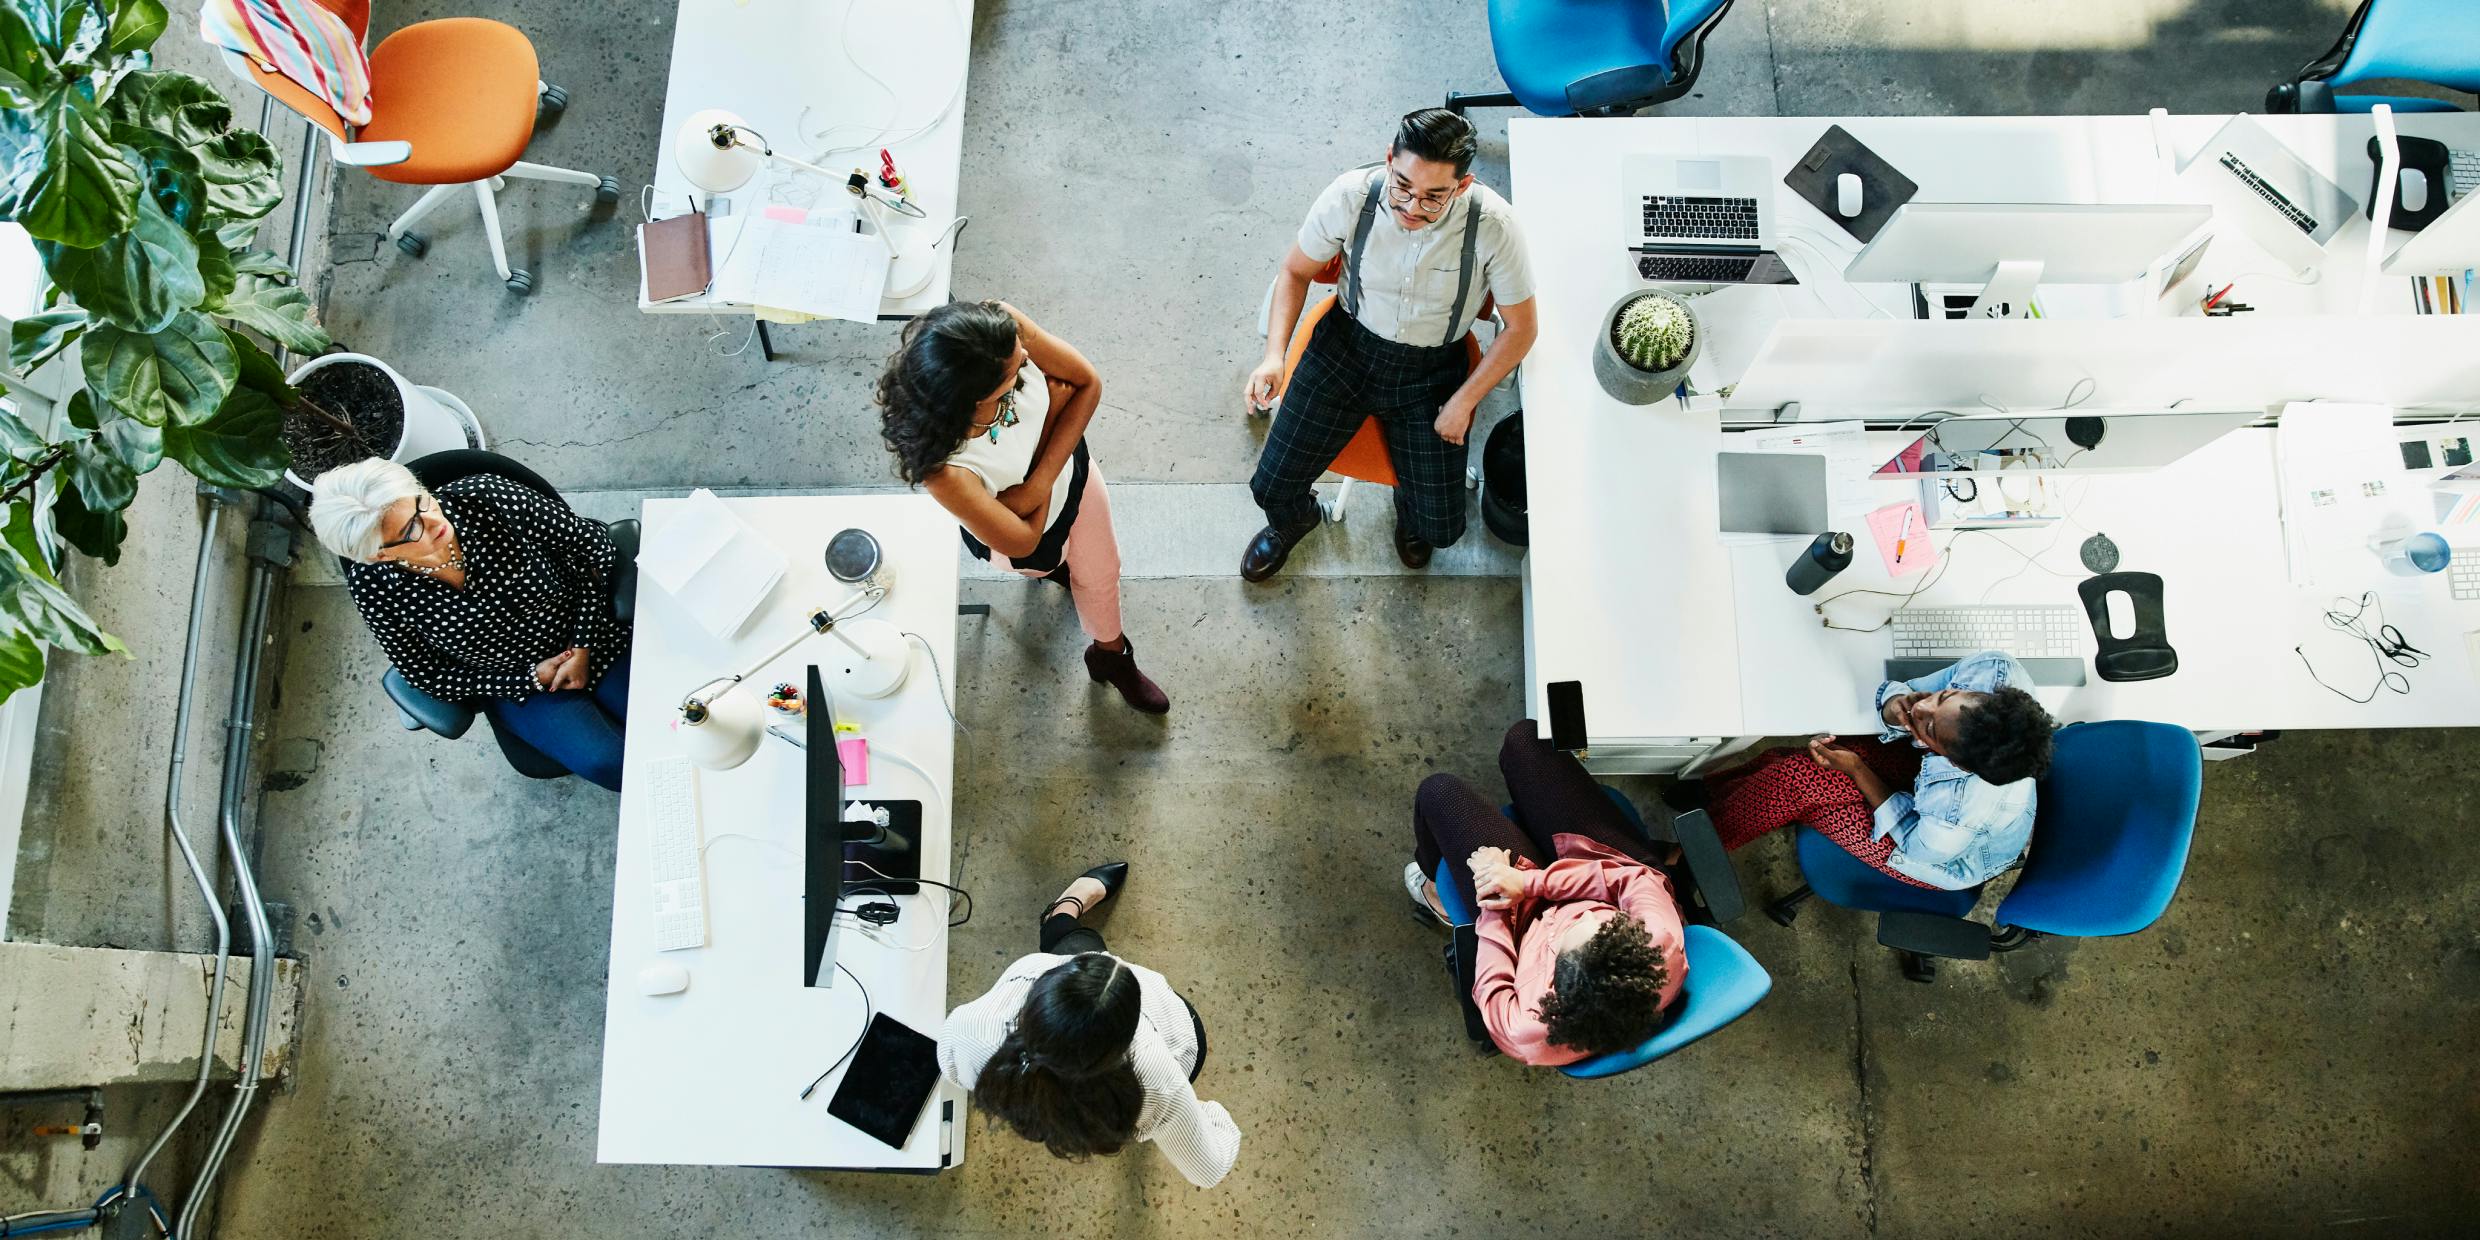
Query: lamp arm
[822,620]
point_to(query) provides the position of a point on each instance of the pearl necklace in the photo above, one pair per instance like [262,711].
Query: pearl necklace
[455,560]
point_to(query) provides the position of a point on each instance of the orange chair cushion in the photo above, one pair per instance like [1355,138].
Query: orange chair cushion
[461,90]
[1365,457]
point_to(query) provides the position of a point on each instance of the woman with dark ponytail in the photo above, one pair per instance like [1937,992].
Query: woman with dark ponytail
[1085,1052]
[987,412]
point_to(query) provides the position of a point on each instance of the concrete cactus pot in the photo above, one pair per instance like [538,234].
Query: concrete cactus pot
[1624,379]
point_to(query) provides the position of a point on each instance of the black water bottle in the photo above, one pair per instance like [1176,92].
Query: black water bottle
[1828,555]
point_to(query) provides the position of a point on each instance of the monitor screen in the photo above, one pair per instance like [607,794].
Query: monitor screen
[822,855]
[2060,442]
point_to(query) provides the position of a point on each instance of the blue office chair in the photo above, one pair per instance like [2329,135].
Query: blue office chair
[2433,41]
[1594,57]
[1724,981]
[2109,842]
[419,711]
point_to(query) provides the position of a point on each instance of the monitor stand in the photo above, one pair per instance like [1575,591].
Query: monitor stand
[2008,294]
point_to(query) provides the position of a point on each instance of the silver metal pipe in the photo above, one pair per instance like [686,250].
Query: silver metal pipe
[189,854]
[238,733]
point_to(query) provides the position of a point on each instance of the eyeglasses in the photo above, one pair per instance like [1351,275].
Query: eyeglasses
[412,533]
[1399,193]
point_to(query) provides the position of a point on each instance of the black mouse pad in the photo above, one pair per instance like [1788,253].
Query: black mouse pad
[1882,189]
[890,1078]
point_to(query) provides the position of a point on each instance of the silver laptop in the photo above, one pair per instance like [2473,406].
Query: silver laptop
[1702,219]
[2287,207]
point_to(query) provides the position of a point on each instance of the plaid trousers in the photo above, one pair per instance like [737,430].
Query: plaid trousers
[1348,374]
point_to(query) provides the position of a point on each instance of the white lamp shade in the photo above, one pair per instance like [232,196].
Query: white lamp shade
[877,668]
[729,733]
[712,170]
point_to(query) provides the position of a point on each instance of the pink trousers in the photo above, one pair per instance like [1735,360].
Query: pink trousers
[1092,558]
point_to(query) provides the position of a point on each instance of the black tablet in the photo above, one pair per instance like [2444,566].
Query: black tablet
[891,1076]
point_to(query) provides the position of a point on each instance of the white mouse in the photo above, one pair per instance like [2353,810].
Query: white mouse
[662,978]
[2414,190]
[1847,195]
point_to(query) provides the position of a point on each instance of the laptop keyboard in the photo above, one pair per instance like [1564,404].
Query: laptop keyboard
[1686,217]
[1694,268]
[2264,189]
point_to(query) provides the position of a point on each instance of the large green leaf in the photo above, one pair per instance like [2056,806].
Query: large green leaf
[99,534]
[171,172]
[138,280]
[258,371]
[29,47]
[66,181]
[21,662]
[37,339]
[241,446]
[262,263]
[31,597]
[17,439]
[245,176]
[179,374]
[133,443]
[99,478]
[278,311]
[83,34]
[136,24]
[216,273]
[187,108]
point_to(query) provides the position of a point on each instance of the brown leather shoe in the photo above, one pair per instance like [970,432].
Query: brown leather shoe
[1267,553]
[1118,669]
[1410,549]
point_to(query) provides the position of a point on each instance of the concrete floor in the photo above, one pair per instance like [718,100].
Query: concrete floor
[2289,1051]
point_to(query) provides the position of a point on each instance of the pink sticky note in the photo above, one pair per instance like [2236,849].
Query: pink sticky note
[854,756]
[789,215]
[1918,552]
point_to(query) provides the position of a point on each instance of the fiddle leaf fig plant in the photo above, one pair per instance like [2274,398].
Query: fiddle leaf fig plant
[142,199]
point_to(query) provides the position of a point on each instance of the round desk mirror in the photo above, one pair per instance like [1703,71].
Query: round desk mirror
[853,557]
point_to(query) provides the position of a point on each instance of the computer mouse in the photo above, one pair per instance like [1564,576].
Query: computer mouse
[662,978]
[1847,195]
[2414,196]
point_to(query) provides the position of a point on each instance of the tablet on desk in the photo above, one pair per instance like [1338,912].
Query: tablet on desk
[891,1076]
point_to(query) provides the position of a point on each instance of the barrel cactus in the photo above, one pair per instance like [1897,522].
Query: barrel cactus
[1654,333]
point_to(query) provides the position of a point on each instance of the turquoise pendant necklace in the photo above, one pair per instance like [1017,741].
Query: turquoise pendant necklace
[1006,417]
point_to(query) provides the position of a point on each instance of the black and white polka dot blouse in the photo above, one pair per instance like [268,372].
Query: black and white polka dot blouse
[537,582]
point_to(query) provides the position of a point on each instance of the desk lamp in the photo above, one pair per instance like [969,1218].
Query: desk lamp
[719,152]
[719,728]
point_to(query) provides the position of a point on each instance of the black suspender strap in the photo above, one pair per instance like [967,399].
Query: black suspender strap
[1360,241]
[1463,274]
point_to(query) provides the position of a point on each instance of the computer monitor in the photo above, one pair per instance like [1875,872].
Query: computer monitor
[822,853]
[2449,246]
[2009,248]
[2060,442]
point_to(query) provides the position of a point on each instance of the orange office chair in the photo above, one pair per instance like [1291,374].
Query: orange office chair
[1364,459]
[453,104]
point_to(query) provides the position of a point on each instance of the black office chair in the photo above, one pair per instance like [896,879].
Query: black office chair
[420,711]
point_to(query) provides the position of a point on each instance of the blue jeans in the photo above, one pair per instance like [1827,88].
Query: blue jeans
[580,729]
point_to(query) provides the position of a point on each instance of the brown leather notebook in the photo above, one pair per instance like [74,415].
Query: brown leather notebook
[674,255]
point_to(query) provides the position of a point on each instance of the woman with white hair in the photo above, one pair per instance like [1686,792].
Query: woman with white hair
[488,592]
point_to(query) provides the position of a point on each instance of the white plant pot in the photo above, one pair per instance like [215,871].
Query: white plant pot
[434,420]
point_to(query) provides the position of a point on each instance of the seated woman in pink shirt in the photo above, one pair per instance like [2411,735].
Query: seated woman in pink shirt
[1581,948]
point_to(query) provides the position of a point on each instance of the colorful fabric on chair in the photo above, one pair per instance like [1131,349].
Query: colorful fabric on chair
[299,39]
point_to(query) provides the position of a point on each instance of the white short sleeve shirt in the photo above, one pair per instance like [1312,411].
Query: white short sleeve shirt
[1408,275]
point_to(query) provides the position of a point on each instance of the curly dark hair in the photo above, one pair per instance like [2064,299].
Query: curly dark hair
[1062,1075]
[2004,737]
[947,361]
[1607,995]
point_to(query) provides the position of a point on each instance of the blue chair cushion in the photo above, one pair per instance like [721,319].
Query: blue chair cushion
[1840,878]
[2118,809]
[2435,41]
[1544,45]
[2400,103]
[1724,981]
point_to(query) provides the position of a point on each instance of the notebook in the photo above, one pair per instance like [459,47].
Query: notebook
[675,257]
[1886,525]
[710,560]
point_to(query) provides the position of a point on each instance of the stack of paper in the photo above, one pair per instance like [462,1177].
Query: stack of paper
[1849,464]
[2342,484]
[808,262]
[712,562]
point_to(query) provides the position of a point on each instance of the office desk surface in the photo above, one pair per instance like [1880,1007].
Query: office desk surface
[788,68]
[713,1074]
[1628,586]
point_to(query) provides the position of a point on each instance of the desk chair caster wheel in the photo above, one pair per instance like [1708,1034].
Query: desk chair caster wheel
[1918,968]
[554,100]
[413,246]
[1784,911]
[520,281]
[2008,938]
[607,191]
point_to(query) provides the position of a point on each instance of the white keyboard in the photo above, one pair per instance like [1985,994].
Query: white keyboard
[2024,632]
[2463,171]
[2464,577]
[678,873]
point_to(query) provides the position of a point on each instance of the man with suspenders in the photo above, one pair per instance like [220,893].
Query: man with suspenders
[1423,247]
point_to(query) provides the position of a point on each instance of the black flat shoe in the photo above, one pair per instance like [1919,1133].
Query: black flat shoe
[1411,548]
[1111,874]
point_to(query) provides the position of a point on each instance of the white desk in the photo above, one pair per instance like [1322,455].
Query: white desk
[712,1075]
[786,67]
[1683,644]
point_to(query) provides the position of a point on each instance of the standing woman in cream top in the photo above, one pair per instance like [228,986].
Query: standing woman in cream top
[987,412]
